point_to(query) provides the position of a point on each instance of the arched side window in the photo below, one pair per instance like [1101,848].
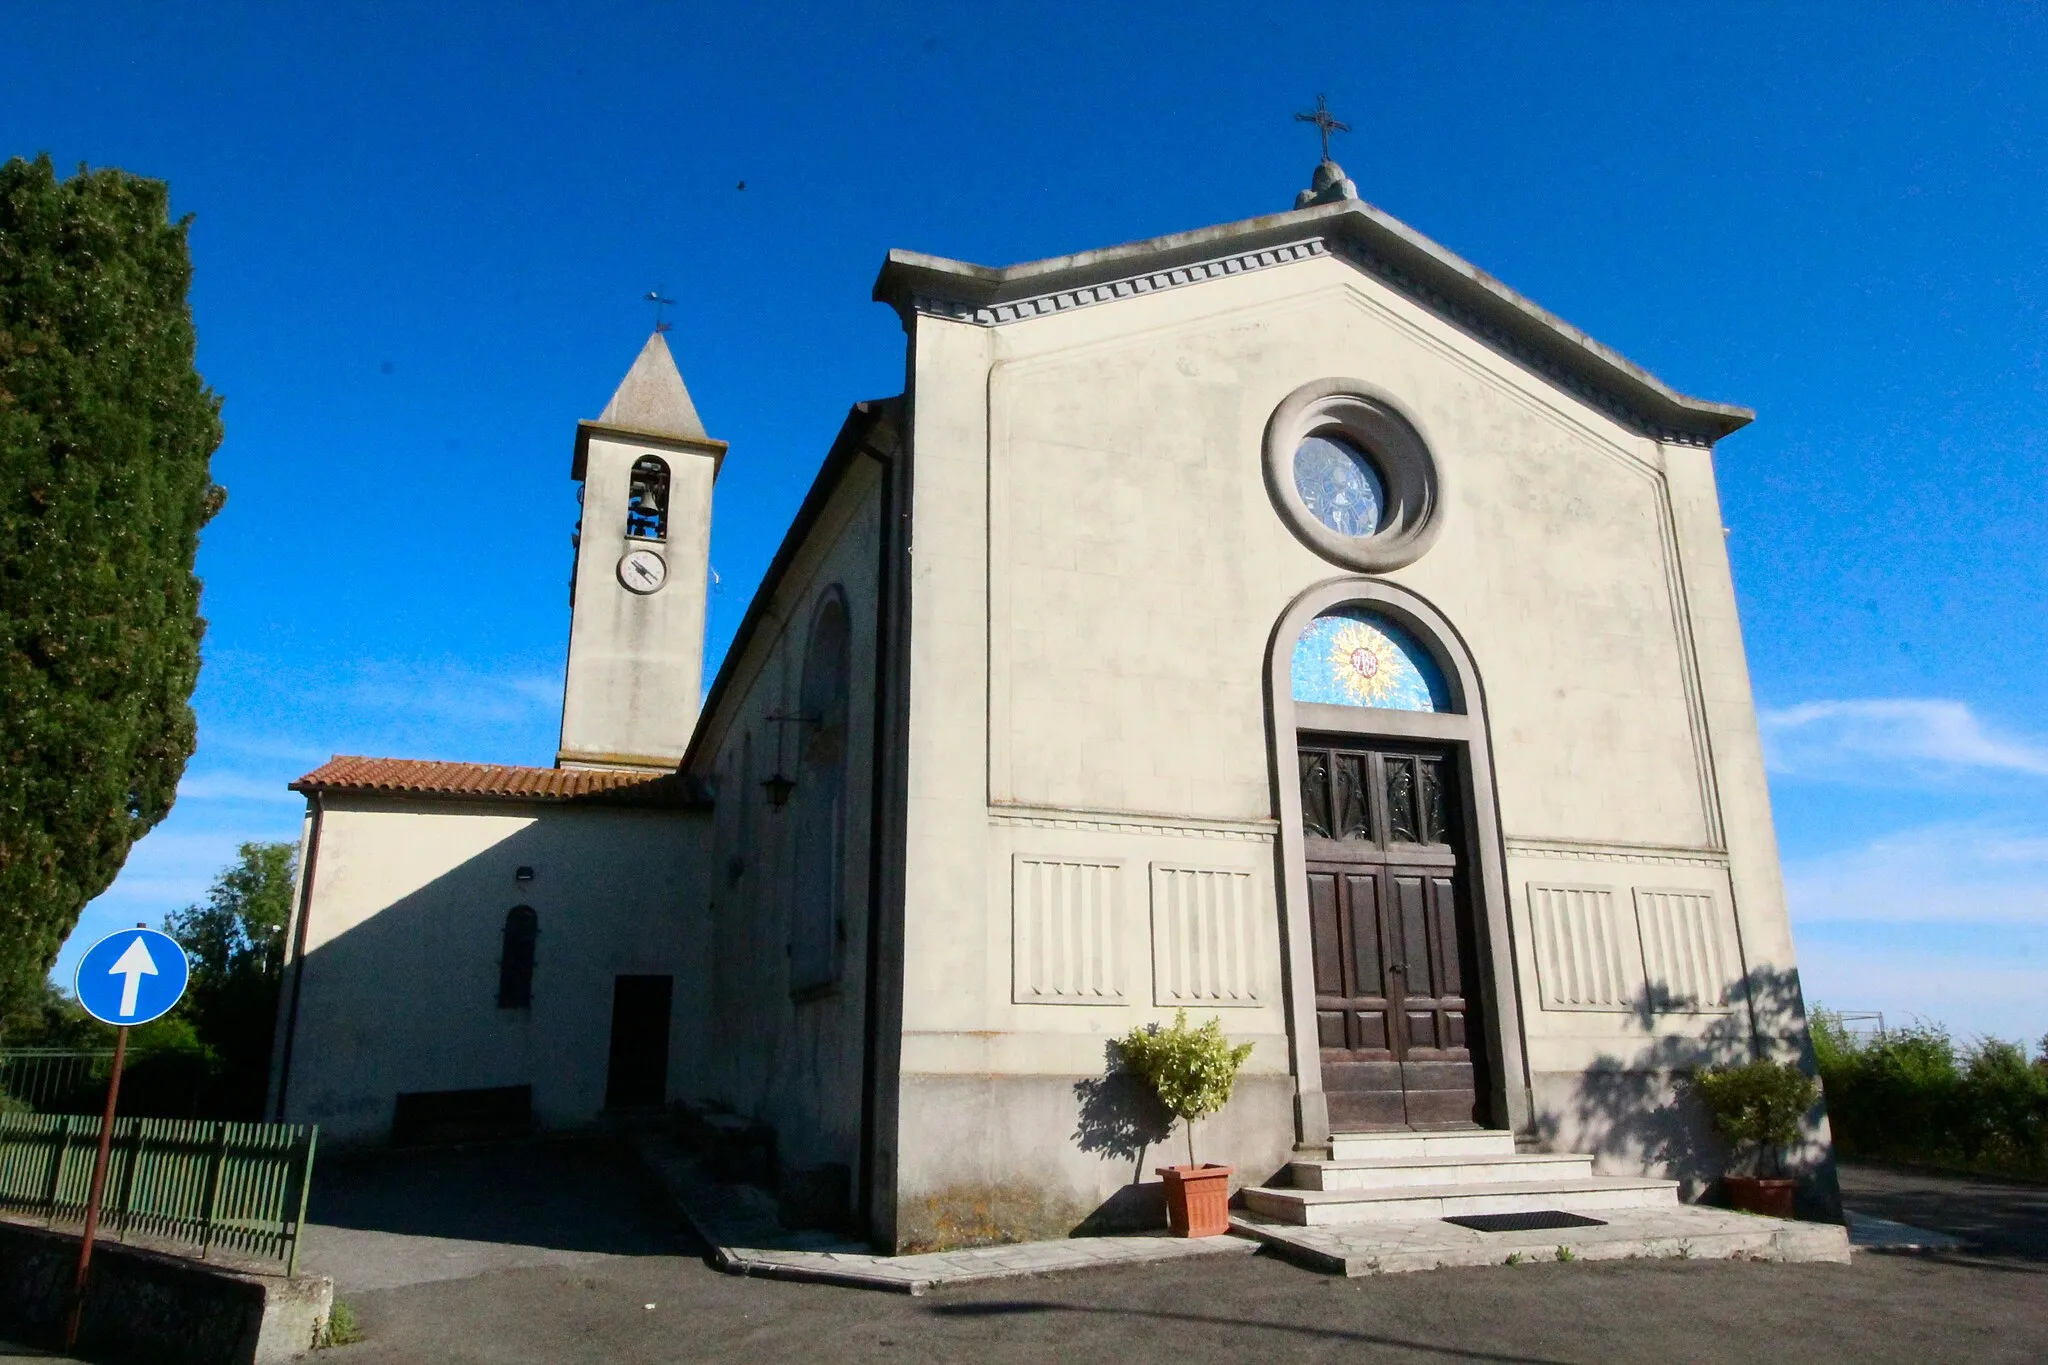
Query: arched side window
[1353,656]
[820,807]
[515,962]
[647,500]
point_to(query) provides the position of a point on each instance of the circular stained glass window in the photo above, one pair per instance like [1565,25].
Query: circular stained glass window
[1339,486]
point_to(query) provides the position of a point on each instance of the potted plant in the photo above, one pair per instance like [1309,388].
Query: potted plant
[1192,1069]
[1759,1105]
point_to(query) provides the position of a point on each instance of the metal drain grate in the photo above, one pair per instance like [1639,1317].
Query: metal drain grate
[1537,1220]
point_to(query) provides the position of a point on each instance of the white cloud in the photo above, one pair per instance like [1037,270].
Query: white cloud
[225,786]
[1886,740]
[452,694]
[1936,874]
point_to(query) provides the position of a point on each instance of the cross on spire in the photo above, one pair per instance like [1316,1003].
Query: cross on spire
[1325,122]
[654,297]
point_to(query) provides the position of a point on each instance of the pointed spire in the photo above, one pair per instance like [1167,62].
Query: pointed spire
[651,398]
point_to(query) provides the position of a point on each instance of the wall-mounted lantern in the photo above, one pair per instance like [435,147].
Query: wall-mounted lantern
[523,875]
[780,786]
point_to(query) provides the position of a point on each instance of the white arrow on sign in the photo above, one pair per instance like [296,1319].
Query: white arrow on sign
[134,964]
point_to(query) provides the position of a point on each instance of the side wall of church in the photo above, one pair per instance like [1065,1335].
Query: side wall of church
[403,936]
[782,1022]
[1098,573]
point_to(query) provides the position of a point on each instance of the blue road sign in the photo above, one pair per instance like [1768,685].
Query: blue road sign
[131,977]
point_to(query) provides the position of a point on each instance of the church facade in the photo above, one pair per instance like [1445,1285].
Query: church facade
[1284,621]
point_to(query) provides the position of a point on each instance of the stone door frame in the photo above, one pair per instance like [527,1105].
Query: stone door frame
[1465,731]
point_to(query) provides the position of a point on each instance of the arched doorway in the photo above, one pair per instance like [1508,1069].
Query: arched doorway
[1402,1008]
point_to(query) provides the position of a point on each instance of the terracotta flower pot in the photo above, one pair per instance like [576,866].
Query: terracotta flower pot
[1197,1199]
[1756,1194]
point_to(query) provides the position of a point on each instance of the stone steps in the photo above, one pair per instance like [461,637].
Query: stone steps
[1481,1168]
[1392,1177]
[1446,1142]
[1321,1208]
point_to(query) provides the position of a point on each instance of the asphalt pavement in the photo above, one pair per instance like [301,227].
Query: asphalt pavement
[566,1252]
[638,1290]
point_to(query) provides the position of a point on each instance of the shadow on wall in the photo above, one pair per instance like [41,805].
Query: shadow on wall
[1639,1113]
[408,999]
[1121,1119]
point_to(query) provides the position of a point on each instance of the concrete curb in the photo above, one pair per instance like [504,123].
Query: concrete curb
[746,1241]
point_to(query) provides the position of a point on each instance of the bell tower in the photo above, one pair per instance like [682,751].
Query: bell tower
[643,555]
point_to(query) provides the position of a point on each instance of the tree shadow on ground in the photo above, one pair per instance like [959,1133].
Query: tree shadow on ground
[2001,1218]
[1639,1109]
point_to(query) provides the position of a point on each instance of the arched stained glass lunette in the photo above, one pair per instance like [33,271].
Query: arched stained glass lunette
[1354,656]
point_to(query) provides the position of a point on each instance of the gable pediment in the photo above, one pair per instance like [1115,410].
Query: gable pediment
[1353,231]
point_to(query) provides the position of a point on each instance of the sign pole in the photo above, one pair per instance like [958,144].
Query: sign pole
[99,1189]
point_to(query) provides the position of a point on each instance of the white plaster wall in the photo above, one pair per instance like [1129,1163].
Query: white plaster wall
[1097,572]
[636,663]
[793,1063]
[402,941]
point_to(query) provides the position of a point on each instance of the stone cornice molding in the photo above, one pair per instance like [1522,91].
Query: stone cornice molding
[1659,854]
[1130,286]
[1131,822]
[1363,236]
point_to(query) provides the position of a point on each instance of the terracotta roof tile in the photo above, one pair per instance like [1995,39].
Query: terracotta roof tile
[499,782]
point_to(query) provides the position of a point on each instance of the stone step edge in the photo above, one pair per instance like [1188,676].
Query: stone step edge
[1598,1184]
[1397,1163]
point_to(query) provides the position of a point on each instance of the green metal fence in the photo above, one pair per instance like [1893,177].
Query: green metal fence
[238,1187]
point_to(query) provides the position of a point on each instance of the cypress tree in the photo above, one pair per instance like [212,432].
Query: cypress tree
[106,430]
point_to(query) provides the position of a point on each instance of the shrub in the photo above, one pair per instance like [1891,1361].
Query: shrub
[1758,1104]
[1193,1069]
[1908,1095]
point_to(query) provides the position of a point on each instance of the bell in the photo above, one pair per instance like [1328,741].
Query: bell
[647,497]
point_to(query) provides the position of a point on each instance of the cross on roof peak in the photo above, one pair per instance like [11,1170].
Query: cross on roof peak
[1326,123]
[661,306]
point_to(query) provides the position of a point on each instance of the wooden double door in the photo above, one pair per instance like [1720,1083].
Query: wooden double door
[1391,931]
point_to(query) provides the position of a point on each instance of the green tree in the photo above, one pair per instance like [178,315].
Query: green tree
[106,430]
[235,941]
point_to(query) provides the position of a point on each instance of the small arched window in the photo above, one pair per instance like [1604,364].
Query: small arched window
[820,811]
[515,962]
[647,500]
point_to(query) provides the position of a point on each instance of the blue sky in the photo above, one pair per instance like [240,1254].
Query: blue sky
[422,233]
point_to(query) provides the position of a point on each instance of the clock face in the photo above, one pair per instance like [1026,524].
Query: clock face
[643,571]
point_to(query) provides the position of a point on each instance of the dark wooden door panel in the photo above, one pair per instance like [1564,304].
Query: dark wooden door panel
[1390,939]
[1439,1094]
[1325,936]
[1364,1101]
